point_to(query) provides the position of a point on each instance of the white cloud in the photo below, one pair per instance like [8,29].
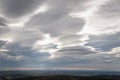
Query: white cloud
[102,17]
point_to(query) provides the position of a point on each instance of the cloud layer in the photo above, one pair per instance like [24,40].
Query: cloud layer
[60,34]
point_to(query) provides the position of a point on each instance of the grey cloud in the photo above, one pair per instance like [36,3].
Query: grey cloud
[2,22]
[4,56]
[50,46]
[77,51]
[28,35]
[111,9]
[15,49]
[2,43]
[6,63]
[68,5]
[68,61]
[4,30]
[104,42]
[18,8]
[20,56]
[57,18]
[65,25]
[57,22]
[69,38]
[58,9]
[84,61]
[3,26]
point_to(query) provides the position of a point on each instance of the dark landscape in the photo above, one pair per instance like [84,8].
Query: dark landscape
[59,75]
[67,77]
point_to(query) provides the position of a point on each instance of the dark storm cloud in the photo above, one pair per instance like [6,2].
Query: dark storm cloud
[104,42]
[18,8]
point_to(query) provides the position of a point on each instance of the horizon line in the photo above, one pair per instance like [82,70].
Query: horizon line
[27,69]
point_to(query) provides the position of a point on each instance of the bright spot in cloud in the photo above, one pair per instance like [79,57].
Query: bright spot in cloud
[43,8]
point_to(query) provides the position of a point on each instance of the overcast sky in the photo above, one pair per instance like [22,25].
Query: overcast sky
[60,34]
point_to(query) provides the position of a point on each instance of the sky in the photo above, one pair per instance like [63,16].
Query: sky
[60,34]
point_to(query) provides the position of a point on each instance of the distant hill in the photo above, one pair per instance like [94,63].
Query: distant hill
[68,77]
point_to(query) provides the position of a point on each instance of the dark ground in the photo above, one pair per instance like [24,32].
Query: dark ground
[65,77]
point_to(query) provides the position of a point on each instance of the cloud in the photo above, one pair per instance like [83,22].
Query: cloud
[59,33]
[74,51]
[57,18]
[4,30]
[72,39]
[2,22]
[6,53]
[26,36]
[104,18]
[65,25]
[110,9]
[16,8]
[115,53]
[4,56]
[21,56]
[2,43]
[105,42]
